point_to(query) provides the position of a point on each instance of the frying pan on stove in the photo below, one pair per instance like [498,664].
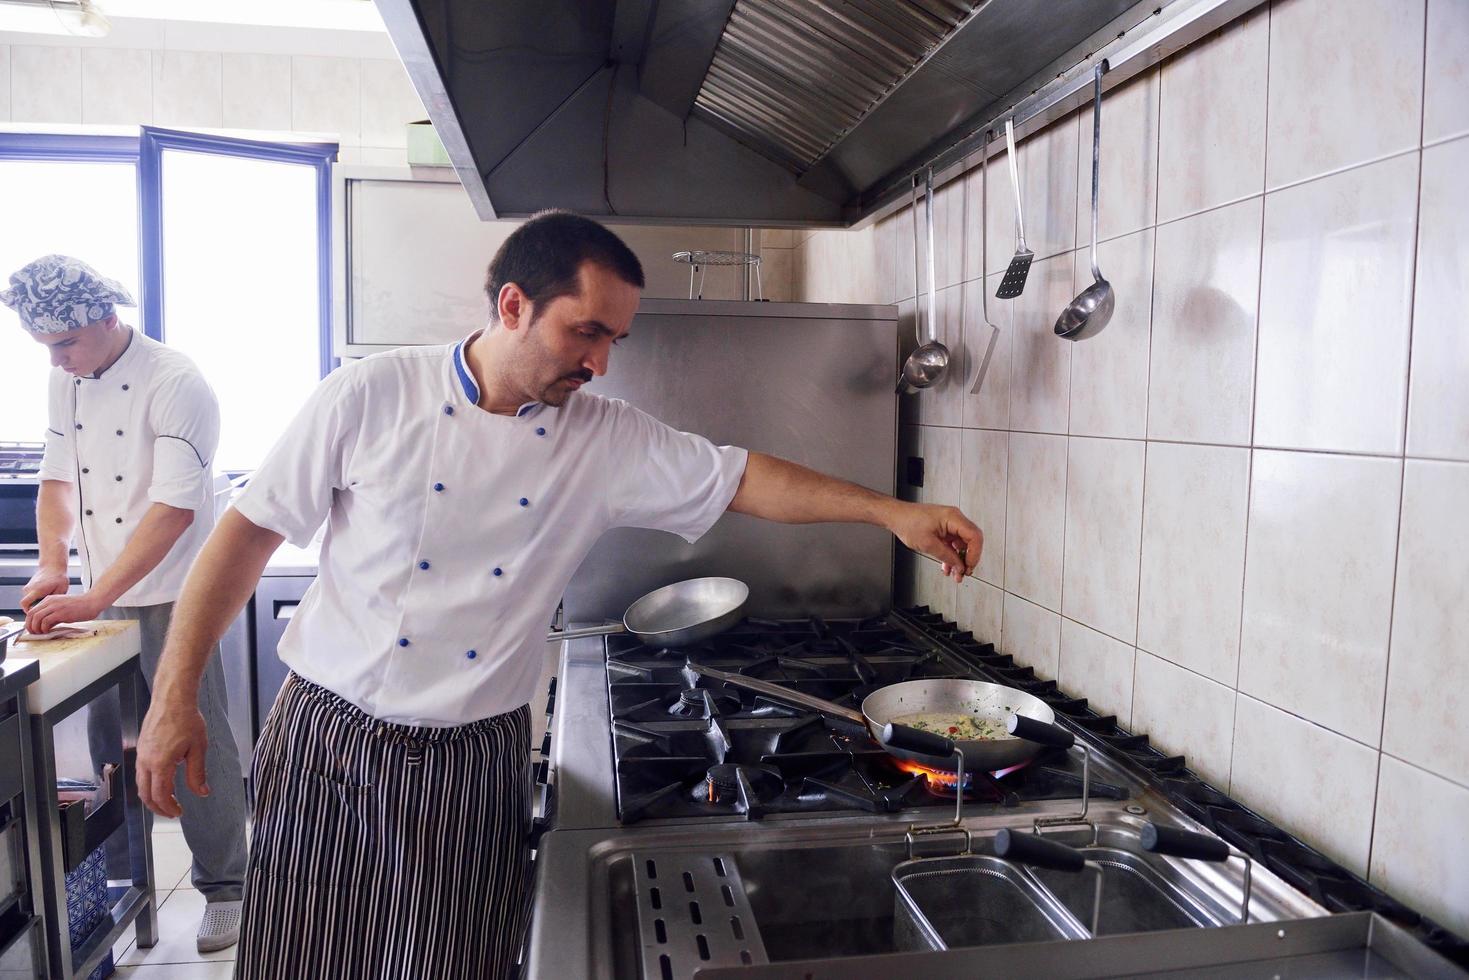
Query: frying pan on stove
[992,703]
[676,615]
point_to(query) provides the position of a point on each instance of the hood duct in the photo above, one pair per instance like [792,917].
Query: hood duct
[756,112]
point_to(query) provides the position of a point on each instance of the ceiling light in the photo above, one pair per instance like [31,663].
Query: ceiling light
[71,18]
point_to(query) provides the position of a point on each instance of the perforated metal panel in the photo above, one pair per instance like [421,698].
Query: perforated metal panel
[693,913]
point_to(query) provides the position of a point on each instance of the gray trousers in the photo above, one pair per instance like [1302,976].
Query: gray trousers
[214,825]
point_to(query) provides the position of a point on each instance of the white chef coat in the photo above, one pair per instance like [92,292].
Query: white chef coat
[142,432]
[452,532]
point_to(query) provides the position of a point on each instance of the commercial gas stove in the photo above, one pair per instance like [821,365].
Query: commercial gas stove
[692,827]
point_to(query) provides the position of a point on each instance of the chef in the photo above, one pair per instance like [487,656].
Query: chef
[127,474]
[461,487]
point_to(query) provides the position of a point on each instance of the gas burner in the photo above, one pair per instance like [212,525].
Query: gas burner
[729,783]
[703,703]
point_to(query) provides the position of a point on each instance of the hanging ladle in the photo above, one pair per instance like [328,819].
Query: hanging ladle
[926,365]
[1090,311]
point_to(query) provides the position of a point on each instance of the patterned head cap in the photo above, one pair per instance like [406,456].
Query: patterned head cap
[57,293]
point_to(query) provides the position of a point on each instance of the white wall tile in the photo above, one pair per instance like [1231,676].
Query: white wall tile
[1420,852]
[777,238]
[1195,508]
[397,156]
[1335,303]
[1185,714]
[905,275]
[45,84]
[1040,363]
[1035,508]
[992,254]
[940,450]
[936,590]
[188,89]
[1099,668]
[326,97]
[389,104]
[981,610]
[1109,372]
[256,91]
[1428,670]
[1315,783]
[775,273]
[117,86]
[1048,182]
[1129,173]
[1206,291]
[4,82]
[984,457]
[887,260]
[1333,65]
[1211,144]
[1104,518]
[948,234]
[1438,399]
[1318,587]
[1445,109]
[990,408]
[1032,635]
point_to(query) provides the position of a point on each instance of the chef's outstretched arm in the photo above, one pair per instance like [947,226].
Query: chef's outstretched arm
[779,490]
[220,581]
[149,544]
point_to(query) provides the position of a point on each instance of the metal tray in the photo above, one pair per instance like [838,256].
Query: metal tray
[973,900]
[1135,897]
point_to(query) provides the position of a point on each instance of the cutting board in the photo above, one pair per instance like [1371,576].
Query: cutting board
[67,666]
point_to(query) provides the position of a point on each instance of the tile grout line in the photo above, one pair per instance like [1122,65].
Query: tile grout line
[1392,607]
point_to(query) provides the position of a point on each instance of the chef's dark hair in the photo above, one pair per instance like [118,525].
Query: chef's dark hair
[543,255]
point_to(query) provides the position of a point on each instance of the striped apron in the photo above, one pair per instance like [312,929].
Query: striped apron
[385,851]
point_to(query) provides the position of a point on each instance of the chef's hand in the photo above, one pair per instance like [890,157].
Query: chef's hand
[943,533]
[53,610]
[172,734]
[42,584]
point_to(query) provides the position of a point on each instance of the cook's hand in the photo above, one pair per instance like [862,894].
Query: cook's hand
[943,533]
[42,584]
[49,612]
[172,734]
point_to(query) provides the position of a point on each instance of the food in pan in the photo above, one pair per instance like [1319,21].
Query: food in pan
[957,725]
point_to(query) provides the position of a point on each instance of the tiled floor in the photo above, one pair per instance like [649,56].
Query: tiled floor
[180,908]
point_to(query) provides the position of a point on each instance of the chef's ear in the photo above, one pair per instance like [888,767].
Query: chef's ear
[513,306]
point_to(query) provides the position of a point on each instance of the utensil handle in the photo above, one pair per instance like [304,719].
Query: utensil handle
[1096,158]
[933,329]
[1035,730]
[1015,180]
[906,738]
[917,268]
[578,634]
[1041,852]
[783,694]
[1182,843]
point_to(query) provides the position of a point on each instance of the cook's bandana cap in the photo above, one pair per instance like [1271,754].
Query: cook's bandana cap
[57,293]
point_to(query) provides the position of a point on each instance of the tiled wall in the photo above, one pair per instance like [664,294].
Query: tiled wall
[361,103]
[1239,517]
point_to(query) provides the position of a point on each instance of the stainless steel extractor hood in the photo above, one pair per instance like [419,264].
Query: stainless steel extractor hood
[769,112]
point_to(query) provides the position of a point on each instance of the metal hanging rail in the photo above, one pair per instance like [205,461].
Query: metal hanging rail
[1169,28]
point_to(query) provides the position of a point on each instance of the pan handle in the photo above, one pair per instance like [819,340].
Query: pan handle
[1035,730]
[782,694]
[556,635]
[906,738]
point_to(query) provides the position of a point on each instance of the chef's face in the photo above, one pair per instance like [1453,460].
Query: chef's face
[569,341]
[83,351]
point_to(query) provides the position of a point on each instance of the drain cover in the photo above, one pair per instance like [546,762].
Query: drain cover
[693,913]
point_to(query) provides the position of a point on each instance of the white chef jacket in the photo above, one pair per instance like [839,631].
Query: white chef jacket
[452,532]
[142,432]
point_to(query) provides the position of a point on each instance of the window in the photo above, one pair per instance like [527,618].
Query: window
[223,242]
[75,196]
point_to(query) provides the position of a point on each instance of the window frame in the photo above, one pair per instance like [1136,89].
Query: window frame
[144,152]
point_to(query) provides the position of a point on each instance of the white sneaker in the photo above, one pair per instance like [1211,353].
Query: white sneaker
[220,927]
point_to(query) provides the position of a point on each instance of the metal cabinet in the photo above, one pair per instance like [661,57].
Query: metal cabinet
[276,601]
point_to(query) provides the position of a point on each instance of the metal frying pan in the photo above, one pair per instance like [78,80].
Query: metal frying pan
[676,615]
[991,703]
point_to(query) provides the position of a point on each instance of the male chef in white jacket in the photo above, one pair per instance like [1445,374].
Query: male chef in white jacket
[461,486]
[127,474]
